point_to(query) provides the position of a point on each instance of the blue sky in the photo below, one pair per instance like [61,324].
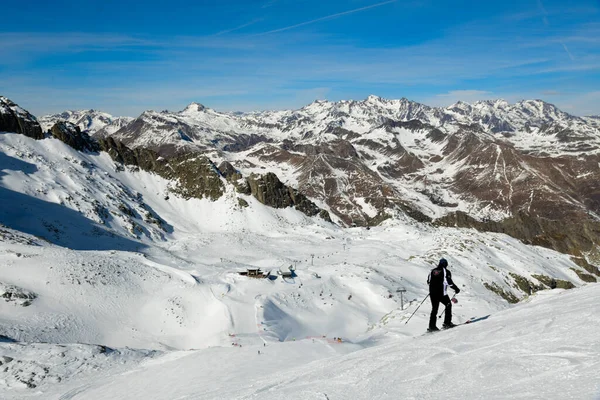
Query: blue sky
[125,57]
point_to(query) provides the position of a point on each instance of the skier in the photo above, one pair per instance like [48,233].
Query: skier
[439,279]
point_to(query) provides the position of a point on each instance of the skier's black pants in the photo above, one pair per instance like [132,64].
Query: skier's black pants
[435,305]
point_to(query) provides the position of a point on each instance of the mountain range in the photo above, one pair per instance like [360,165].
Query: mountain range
[526,169]
[118,250]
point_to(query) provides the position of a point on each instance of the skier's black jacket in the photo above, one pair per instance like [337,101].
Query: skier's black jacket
[439,279]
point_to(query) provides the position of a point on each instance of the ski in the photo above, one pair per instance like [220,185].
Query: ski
[475,319]
[469,321]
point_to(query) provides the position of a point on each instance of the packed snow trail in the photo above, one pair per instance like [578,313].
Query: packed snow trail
[545,348]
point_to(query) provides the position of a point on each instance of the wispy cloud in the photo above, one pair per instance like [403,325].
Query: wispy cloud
[568,52]
[328,17]
[237,28]
[543,12]
[269,3]
[47,42]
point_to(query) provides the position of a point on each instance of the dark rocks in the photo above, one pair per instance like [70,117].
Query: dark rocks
[228,171]
[269,190]
[146,159]
[556,234]
[71,135]
[16,295]
[14,119]
[196,175]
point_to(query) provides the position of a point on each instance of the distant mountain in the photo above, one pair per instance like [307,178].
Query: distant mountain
[531,125]
[89,121]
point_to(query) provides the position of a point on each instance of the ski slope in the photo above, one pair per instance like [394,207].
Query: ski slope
[545,348]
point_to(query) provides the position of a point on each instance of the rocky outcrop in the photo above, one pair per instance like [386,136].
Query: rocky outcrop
[14,119]
[577,239]
[195,176]
[228,171]
[269,190]
[146,159]
[16,295]
[72,135]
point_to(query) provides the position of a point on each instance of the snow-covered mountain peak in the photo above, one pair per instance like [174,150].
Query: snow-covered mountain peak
[90,121]
[460,107]
[496,104]
[317,106]
[374,99]
[542,110]
[193,108]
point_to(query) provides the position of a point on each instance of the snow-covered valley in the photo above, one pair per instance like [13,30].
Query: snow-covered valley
[112,289]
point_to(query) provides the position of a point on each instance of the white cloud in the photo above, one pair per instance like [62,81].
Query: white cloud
[328,17]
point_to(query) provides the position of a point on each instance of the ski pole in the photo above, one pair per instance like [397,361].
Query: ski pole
[411,315]
[439,316]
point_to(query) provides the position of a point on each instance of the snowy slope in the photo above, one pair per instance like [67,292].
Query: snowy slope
[94,259]
[545,348]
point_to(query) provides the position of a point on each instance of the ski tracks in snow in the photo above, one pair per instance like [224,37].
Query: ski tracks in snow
[74,392]
[172,271]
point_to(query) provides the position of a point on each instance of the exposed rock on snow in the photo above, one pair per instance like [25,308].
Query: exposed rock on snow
[15,119]
[16,295]
[72,135]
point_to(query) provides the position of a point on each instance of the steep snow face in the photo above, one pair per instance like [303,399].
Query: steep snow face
[89,121]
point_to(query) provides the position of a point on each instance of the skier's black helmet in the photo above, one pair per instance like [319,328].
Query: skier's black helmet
[443,263]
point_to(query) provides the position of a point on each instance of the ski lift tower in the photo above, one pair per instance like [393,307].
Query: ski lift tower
[312,259]
[401,291]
